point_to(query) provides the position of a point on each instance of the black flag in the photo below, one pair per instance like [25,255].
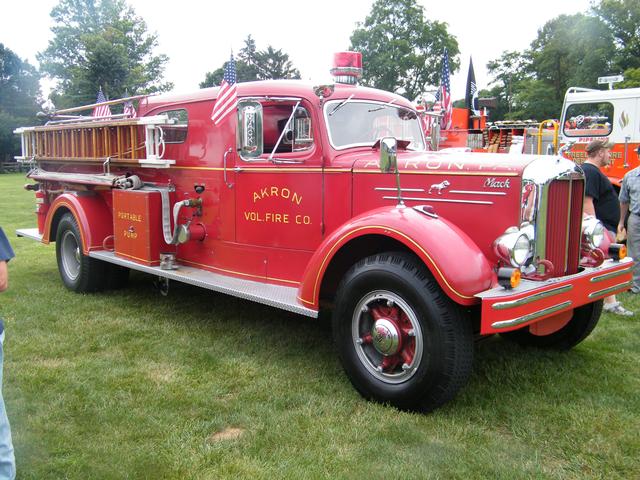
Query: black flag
[471,97]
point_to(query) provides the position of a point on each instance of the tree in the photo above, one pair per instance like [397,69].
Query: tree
[100,43]
[273,63]
[631,79]
[507,72]
[402,51]
[249,61]
[253,64]
[622,17]
[535,100]
[571,50]
[19,97]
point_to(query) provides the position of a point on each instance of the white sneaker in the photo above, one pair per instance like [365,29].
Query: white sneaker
[617,309]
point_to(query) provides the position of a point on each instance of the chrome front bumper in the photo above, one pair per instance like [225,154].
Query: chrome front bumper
[531,301]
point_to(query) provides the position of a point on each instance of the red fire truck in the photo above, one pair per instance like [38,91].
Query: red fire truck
[326,195]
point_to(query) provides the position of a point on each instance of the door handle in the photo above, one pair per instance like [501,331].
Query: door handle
[224,167]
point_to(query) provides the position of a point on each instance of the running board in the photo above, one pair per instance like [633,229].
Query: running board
[285,298]
[31,233]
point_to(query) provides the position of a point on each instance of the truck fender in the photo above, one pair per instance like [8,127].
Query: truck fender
[92,214]
[455,261]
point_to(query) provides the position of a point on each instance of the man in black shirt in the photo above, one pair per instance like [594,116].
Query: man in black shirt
[601,201]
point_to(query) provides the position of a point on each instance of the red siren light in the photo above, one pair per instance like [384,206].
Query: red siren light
[347,67]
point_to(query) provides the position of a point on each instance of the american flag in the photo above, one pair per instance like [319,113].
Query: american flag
[129,110]
[444,93]
[227,96]
[101,110]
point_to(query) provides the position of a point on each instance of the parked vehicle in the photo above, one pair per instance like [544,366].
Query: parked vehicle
[326,195]
[607,114]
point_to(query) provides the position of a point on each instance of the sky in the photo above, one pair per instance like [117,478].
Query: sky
[199,35]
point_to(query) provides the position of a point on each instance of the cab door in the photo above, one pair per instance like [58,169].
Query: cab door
[278,175]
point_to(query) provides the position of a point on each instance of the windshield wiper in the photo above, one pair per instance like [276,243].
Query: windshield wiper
[340,105]
[382,106]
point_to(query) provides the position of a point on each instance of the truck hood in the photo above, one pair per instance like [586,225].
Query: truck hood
[483,194]
[446,162]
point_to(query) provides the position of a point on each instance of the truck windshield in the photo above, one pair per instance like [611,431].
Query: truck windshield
[362,123]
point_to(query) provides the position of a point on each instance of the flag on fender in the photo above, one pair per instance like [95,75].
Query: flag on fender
[101,110]
[445,92]
[227,96]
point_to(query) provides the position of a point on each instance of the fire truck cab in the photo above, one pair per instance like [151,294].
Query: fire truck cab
[310,195]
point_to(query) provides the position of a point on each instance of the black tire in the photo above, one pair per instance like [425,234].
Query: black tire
[434,354]
[584,320]
[79,272]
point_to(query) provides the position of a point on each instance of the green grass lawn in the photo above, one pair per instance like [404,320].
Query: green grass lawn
[196,385]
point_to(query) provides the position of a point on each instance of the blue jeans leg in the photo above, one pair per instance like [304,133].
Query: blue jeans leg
[7,459]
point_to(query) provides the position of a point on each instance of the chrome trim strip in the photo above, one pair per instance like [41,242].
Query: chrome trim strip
[531,316]
[475,192]
[423,199]
[607,276]
[388,189]
[607,291]
[532,298]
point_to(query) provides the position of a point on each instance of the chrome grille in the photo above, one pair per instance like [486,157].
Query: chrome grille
[564,220]
[552,201]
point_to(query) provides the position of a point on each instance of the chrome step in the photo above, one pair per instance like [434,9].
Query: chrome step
[277,296]
[31,233]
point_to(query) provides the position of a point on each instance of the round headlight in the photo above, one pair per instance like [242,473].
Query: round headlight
[520,252]
[592,232]
[513,247]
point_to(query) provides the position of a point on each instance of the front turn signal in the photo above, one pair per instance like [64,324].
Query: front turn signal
[617,251]
[509,277]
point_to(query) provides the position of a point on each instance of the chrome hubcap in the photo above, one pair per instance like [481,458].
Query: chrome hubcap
[387,336]
[71,255]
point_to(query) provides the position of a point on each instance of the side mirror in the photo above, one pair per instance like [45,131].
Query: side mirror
[388,155]
[434,138]
[389,162]
[249,133]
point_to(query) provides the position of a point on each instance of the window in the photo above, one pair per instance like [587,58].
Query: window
[176,130]
[270,126]
[285,130]
[588,120]
[353,123]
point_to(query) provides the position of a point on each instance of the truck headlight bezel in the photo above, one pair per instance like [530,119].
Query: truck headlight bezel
[515,246]
[593,232]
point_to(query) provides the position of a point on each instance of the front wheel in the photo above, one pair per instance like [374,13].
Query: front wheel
[79,272]
[400,339]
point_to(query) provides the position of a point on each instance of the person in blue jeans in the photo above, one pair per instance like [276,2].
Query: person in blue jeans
[7,458]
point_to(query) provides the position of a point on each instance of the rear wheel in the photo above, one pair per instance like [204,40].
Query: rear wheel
[79,272]
[400,339]
[584,320]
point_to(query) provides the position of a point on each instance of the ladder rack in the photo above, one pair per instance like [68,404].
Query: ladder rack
[118,141]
